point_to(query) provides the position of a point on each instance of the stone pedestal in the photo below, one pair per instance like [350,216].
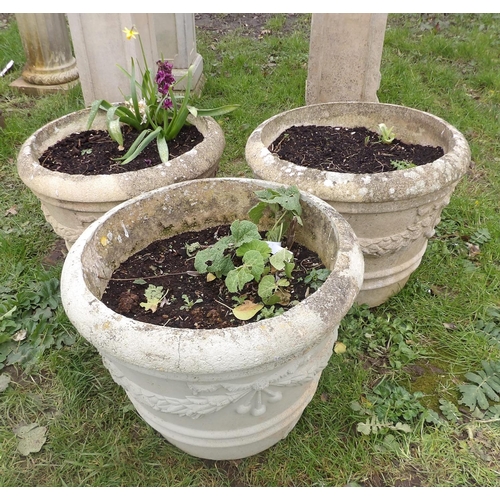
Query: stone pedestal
[344,57]
[101,46]
[50,65]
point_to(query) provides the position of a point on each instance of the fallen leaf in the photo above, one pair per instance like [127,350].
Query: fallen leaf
[340,348]
[474,250]
[210,277]
[20,335]
[31,438]
[4,381]
[11,211]
[247,310]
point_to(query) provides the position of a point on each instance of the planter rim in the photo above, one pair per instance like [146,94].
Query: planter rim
[345,187]
[111,187]
[214,351]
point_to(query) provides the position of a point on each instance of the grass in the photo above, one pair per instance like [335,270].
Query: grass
[423,340]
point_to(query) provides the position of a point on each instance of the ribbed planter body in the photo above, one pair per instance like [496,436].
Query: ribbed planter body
[393,214]
[221,393]
[71,202]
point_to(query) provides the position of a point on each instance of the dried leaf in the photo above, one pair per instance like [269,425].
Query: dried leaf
[31,438]
[20,335]
[247,310]
[11,211]
[450,326]
[340,348]
[4,381]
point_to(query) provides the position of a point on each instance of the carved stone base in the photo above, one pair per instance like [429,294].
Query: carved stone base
[31,89]
[393,214]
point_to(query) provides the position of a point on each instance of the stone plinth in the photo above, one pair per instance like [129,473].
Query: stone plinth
[344,57]
[101,46]
[50,65]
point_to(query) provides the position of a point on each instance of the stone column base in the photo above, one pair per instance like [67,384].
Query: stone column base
[31,89]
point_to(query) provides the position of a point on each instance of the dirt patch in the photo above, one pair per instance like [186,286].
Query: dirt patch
[348,150]
[253,25]
[93,152]
[189,300]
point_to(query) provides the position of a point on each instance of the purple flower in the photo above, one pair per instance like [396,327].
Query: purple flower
[165,79]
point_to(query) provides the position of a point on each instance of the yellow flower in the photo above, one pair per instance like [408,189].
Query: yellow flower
[130,33]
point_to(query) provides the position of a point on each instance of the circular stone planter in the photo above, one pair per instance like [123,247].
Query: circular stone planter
[221,393]
[71,202]
[393,214]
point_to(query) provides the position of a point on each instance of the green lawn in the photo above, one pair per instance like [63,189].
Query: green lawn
[394,410]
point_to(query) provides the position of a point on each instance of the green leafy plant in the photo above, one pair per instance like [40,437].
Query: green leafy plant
[152,107]
[391,407]
[488,327]
[154,295]
[265,262]
[29,323]
[316,278]
[485,385]
[188,303]
[402,164]
[385,133]
[284,205]
[392,340]
[480,237]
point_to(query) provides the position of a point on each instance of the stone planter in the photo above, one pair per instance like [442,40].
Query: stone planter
[71,202]
[393,214]
[222,393]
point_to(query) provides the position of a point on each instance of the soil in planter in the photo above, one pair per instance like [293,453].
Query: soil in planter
[167,263]
[348,150]
[93,152]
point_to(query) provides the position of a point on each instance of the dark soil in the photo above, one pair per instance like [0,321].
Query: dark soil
[348,150]
[166,263]
[252,25]
[93,152]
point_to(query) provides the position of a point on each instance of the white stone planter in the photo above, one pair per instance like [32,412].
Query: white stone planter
[71,202]
[393,214]
[222,393]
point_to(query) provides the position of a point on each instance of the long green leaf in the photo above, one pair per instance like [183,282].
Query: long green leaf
[94,108]
[162,148]
[221,110]
[115,131]
[131,156]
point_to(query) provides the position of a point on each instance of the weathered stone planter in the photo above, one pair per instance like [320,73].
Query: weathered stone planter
[393,214]
[221,393]
[71,202]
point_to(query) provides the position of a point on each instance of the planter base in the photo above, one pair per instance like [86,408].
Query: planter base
[241,417]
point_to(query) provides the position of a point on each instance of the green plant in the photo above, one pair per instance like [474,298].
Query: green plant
[386,134]
[154,295]
[188,303]
[316,278]
[489,327]
[265,262]
[402,164]
[29,323]
[391,407]
[485,385]
[155,112]
[392,340]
